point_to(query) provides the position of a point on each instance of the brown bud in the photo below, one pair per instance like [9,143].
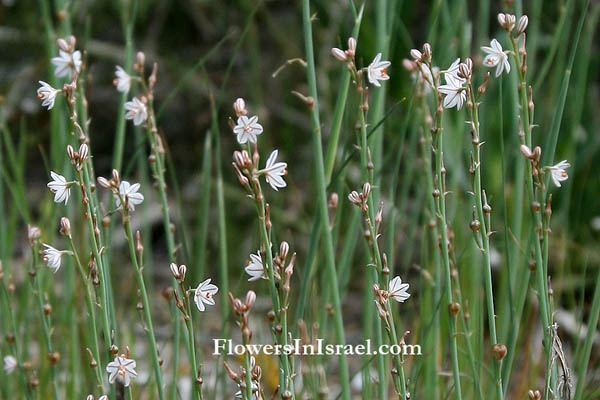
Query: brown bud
[47,309]
[499,351]
[10,338]
[536,206]
[287,395]
[454,309]
[475,225]
[54,357]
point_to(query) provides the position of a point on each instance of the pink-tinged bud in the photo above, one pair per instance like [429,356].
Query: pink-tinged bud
[83,152]
[464,70]
[502,19]
[250,299]
[333,200]
[354,197]
[507,21]
[427,52]
[284,249]
[239,106]
[65,226]
[116,178]
[409,65]
[182,271]
[71,153]
[71,40]
[537,152]
[352,45]
[416,54]
[105,183]
[63,45]
[141,59]
[174,270]
[366,190]
[527,152]
[339,54]
[33,233]
[522,26]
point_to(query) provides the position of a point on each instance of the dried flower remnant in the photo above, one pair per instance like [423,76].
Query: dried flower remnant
[10,364]
[129,194]
[558,172]
[204,294]
[122,369]
[496,57]
[247,129]
[398,290]
[136,111]
[122,80]
[377,70]
[52,257]
[60,187]
[47,94]
[275,171]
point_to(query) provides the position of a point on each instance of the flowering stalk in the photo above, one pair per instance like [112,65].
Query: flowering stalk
[481,226]
[439,195]
[89,303]
[322,197]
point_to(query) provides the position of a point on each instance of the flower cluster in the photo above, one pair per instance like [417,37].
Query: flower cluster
[124,192]
[376,71]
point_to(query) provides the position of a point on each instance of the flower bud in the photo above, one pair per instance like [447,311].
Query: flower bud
[284,249]
[427,52]
[250,298]
[366,190]
[141,59]
[499,351]
[339,54]
[71,153]
[65,226]
[105,183]
[83,152]
[174,270]
[116,178]
[33,233]
[351,47]
[416,54]
[454,309]
[239,106]
[527,152]
[63,45]
[522,25]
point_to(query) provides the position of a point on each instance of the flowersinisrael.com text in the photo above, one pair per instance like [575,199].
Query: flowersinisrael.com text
[226,346]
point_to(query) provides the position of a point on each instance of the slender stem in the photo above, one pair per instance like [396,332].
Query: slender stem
[322,198]
[484,233]
[145,303]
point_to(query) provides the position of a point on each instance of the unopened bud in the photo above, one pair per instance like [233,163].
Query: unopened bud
[105,183]
[116,178]
[527,153]
[366,190]
[65,226]
[71,153]
[250,298]
[33,233]
[499,351]
[416,54]
[284,249]
[454,309]
[522,25]
[239,106]
[427,52]
[351,46]
[174,270]
[339,54]
[83,152]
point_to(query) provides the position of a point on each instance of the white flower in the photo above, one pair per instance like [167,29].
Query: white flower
[451,74]
[247,129]
[559,173]
[496,57]
[136,110]
[398,290]
[204,294]
[455,94]
[122,80]
[425,73]
[121,368]
[52,257]
[275,171]
[10,364]
[60,187]
[377,70]
[129,194]
[255,268]
[67,64]
[47,94]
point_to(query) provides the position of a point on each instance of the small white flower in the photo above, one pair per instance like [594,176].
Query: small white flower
[255,268]
[137,111]
[129,194]
[496,57]
[10,364]
[559,173]
[67,64]
[455,96]
[204,294]
[377,70]
[60,187]
[425,73]
[122,80]
[275,171]
[398,290]
[247,129]
[52,257]
[451,74]
[47,94]
[123,369]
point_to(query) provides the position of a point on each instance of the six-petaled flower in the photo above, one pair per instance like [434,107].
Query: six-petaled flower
[47,94]
[398,290]
[377,70]
[137,111]
[60,187]
[128,193]
[496,57]
[67,64]
[122,80]
[204,294]
[121,369]
[275,171]
[558,172]
[52,257]
[247,129]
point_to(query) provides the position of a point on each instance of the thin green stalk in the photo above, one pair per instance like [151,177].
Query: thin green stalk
[484,232]
[145,303]
[322,197]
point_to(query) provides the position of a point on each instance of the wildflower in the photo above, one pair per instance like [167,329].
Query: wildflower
[136,110]
[559,173]
[122,80]
[377,70]
[10,364]
[496,57]
[123,369]
[52,257]
[67,64]
[398,290]
[427,75]
[451,74]
[47,94]
[255,391]
[255,268]
[129,194]
[247,129]
[239,106]
[339,54]
[60,187]
[204,294]
[455,94]
[275,171]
